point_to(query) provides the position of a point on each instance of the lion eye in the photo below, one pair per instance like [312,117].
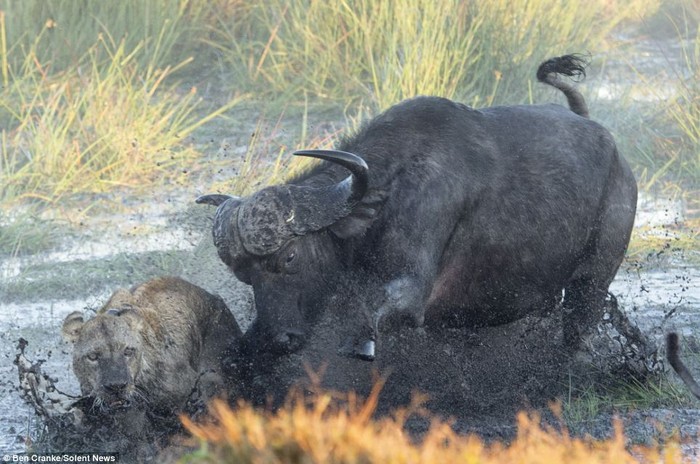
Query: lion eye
[129,352]
[94,356]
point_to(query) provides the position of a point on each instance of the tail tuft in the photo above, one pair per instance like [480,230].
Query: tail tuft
[568,65]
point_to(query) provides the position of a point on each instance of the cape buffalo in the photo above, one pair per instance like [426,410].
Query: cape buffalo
[449,216]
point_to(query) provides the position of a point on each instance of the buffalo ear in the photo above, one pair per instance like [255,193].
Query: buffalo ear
[361,217]
[72,324]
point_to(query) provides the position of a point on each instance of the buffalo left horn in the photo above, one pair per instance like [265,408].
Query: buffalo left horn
[355,185]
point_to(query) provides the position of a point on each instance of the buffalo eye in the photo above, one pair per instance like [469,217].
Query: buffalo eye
[290,258]
[285,261]
[129,352]
[290,261]
[94,356]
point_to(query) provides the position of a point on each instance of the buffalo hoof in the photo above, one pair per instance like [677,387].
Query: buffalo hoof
[363,350]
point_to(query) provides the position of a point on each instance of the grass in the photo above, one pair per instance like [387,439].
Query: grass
[667,153]
[82,278]
[27,234]
[90,104]
[537,31]
[107,123]
[586,404]
[364,53]
[330,428]
[658,391]
[684,114]
[62,31]
[95,101]
[650,394]
[266,159]
[670,240]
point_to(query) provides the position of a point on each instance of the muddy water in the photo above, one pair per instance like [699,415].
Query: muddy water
[657,296]
[661,299]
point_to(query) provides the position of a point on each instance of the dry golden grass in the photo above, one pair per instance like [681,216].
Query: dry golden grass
[649,240]
[329,429]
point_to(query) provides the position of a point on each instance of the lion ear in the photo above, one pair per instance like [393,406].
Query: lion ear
[120,298]
[72,325]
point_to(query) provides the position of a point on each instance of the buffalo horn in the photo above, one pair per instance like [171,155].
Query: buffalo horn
[213,199]
[355,184]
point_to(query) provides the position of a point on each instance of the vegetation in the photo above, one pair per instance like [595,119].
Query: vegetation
[104,123]
[350,51]
[669,148]
[324,429]
[620,396]
[83,278]
[91,99]
[672,240]
[27,234]
[60,32]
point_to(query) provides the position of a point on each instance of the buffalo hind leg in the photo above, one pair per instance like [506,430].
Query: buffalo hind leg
[583,308]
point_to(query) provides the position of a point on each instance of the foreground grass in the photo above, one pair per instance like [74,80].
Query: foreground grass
[326,430]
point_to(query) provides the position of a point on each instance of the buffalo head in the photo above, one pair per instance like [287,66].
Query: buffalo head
[279,240]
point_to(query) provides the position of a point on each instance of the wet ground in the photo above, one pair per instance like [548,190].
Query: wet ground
[659,292]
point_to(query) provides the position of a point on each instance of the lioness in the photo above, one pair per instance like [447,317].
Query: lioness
[153,344]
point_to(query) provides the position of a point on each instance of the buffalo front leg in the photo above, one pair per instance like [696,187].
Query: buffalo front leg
[400,301]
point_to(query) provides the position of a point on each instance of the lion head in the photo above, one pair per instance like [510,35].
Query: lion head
[108,354]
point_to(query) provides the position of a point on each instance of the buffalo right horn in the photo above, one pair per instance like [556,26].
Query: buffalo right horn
[213,199]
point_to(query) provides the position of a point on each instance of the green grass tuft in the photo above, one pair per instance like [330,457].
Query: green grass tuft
[28,234]
[106,123]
